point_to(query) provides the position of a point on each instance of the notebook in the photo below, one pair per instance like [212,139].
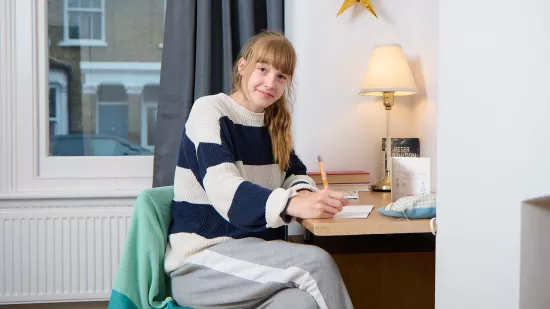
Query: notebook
[354,212]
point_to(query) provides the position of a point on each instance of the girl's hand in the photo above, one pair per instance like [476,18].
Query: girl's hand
[323,204]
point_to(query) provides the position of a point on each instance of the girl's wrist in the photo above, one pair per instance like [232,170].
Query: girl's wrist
[289,210]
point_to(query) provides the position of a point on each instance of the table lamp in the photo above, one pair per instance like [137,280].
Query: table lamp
[388,75]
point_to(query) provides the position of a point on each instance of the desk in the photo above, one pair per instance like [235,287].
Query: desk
[375,224]
[384,261]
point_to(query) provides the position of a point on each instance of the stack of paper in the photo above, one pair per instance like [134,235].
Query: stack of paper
[355,211]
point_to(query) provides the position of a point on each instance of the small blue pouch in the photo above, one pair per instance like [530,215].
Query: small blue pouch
[411,207]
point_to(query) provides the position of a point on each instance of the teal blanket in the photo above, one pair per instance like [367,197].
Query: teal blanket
[140,280]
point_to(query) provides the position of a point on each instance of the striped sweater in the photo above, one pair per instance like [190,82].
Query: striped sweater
[227,184]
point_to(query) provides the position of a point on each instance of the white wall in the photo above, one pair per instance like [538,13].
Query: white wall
[535,254]
[493,144]
[330,118]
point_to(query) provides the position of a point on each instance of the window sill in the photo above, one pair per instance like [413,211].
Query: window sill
[90,43]
[51,201]
[117,194]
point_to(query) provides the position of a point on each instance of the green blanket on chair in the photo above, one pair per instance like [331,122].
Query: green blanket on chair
[140,280]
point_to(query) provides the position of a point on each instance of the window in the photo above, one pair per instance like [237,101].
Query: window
[114,90]
[57,112]
[84,22]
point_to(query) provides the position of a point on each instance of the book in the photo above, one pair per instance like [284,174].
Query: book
[341,177]
[409,176]
[359,187]
[400,147]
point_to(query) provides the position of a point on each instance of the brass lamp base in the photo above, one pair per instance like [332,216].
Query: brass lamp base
[383,185]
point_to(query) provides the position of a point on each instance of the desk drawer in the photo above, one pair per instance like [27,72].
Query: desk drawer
[392,243]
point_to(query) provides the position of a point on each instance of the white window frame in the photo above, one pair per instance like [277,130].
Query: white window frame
[145,125]
[27,169]
[58,80]
[82,42]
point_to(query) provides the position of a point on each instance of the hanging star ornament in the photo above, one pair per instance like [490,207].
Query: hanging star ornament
[349,3]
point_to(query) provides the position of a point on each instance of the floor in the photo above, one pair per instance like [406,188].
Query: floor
[85,305]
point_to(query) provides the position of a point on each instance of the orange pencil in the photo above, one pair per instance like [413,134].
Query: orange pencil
[322,170]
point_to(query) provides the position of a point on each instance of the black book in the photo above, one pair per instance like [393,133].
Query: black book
[400,147]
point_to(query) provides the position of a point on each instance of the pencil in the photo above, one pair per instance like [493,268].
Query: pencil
[322,170]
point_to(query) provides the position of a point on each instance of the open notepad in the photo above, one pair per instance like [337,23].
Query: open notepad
[354,211]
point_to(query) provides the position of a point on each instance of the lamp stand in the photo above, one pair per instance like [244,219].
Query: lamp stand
[384,185]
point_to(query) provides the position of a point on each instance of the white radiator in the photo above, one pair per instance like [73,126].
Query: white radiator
[60,254]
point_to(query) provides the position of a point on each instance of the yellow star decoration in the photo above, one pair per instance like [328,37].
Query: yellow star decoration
[349,3]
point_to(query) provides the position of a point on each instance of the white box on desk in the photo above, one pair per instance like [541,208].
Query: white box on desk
[409,176]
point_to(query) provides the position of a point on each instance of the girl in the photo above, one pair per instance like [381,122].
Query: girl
[237,183]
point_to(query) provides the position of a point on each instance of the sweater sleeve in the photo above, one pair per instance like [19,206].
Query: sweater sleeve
[244,204]
[296,177]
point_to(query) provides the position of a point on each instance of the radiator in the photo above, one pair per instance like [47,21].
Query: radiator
[60,254]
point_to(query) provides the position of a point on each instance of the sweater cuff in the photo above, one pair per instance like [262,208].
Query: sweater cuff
[303,185]
[293,180]
[276,204]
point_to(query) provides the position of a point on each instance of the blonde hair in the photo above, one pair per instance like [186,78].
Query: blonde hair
[274,49]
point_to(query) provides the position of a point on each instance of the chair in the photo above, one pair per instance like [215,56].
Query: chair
[140,280]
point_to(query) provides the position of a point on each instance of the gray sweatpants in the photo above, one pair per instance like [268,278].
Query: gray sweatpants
[254,273]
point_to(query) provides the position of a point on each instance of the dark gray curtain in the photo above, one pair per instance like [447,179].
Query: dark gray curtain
[202,38]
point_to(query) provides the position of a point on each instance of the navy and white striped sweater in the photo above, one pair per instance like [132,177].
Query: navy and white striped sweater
[227,185]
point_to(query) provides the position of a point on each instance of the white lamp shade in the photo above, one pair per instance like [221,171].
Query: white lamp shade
[388,70]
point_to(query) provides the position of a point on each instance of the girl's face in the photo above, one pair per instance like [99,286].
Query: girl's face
[265,85]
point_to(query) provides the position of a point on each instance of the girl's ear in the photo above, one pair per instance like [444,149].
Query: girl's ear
[241,65]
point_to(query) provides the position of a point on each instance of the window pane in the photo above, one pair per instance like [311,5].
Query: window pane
[105,86]
[74,26]
[151,125]
[96,4]
[85,4]
[53,102]
[85,26]
[74,3]
[96,26]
